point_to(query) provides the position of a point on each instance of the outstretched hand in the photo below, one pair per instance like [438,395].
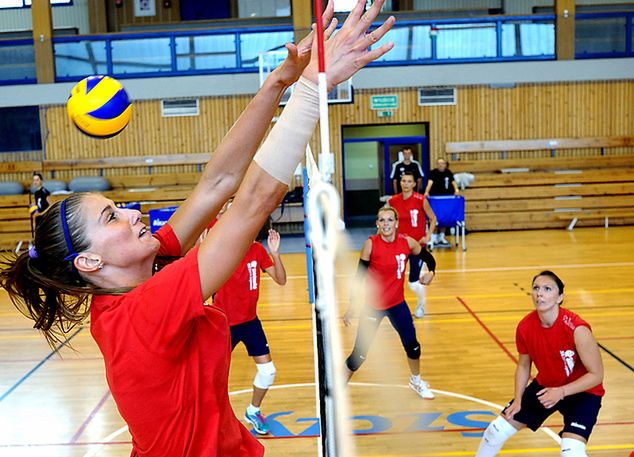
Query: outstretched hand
[274,241]
[347,51]
[299,54]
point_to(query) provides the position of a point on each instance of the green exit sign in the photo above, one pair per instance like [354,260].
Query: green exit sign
[384,113]
[383,102]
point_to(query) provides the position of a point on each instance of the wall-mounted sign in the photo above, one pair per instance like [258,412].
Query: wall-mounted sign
[383,102]
[145,7]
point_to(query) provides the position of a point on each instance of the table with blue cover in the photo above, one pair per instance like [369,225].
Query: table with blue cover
[449,211]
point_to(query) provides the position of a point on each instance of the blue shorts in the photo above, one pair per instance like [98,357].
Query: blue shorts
[401,319]
[252,335]
[580,411]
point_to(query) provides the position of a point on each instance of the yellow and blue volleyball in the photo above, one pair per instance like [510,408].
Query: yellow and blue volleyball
[99,106]
[32,209]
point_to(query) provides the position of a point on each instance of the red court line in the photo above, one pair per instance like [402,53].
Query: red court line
[90,417]
[486,329]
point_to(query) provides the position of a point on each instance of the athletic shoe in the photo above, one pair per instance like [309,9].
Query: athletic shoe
[422,389]
[420,311]
[258,421]
[442,244]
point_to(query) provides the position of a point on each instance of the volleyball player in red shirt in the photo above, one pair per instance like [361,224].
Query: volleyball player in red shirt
[166,354]
[412,208]
[383,258]
[238,298]
[569,373]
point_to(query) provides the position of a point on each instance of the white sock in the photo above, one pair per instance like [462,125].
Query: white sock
[495,436]
[252,409]
[415,379]
[571,447]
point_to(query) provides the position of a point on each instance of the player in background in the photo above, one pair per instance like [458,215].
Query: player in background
[383,259]
[238,298]
[569,373]
[412,208]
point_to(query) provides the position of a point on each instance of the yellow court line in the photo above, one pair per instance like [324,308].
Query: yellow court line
[607,447]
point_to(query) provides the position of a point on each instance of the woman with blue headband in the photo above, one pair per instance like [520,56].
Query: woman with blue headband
[166,354]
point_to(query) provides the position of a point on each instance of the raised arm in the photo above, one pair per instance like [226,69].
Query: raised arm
[277,271]
[267,178]
[224,172]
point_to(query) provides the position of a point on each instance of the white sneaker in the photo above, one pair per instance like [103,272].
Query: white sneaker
[422,389]
[420,311]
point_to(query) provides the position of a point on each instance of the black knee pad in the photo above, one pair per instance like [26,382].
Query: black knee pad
[413,350]
[355,360]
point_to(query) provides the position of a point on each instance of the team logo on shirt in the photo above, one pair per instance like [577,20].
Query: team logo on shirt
[413,214]
[400,265]
[568,357]
[253,278]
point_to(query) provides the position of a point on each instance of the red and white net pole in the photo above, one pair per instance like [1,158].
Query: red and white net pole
[323,215]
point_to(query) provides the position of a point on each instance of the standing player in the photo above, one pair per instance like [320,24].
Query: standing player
[166,354]
[407,164]
[569,373]
[412,208]
[238,298]
[41,196]
[383,257]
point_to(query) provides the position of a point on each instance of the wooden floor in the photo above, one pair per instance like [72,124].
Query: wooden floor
[61,407]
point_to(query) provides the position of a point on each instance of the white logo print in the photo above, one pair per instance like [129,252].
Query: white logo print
[568,357]
[575,424]
[400,265]
[413,213]
[253,279]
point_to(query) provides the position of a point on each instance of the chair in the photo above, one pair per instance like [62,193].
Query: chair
[449,211]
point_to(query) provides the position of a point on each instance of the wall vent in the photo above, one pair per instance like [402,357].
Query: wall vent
[432,96]
[180,107]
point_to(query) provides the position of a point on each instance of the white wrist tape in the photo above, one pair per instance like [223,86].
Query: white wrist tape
[285,145]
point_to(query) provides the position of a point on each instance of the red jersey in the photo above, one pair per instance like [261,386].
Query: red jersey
[387,269]
[238,297]
[167,359]
[553,350]
[412,219]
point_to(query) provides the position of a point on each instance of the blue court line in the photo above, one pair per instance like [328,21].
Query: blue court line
[627,365]
[36,367]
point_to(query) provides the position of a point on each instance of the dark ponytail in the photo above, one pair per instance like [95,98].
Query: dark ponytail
[43,283]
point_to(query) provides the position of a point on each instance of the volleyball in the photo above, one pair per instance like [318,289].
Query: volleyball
[99,106]
[32,209]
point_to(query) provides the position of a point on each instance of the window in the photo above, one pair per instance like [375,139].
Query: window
[20,129]
[27,3]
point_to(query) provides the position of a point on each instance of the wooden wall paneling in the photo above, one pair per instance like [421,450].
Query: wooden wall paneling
[562,110]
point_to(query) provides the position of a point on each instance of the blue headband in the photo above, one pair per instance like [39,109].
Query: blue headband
[69,244]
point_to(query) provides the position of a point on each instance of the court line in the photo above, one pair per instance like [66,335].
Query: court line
[486,329]
[37,367]
[90,417]
[517,268]
[103,442]
[604,447]
[623,362]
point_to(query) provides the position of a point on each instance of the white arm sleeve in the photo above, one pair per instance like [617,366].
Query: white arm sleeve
[285,145]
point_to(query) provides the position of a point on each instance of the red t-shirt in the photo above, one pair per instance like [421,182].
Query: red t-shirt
[553,350]
[387,269]
[411,214]
[167,359]
[238,297]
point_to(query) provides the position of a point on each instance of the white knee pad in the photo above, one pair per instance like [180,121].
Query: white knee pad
[571,447]
[495,436]
[265,376]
